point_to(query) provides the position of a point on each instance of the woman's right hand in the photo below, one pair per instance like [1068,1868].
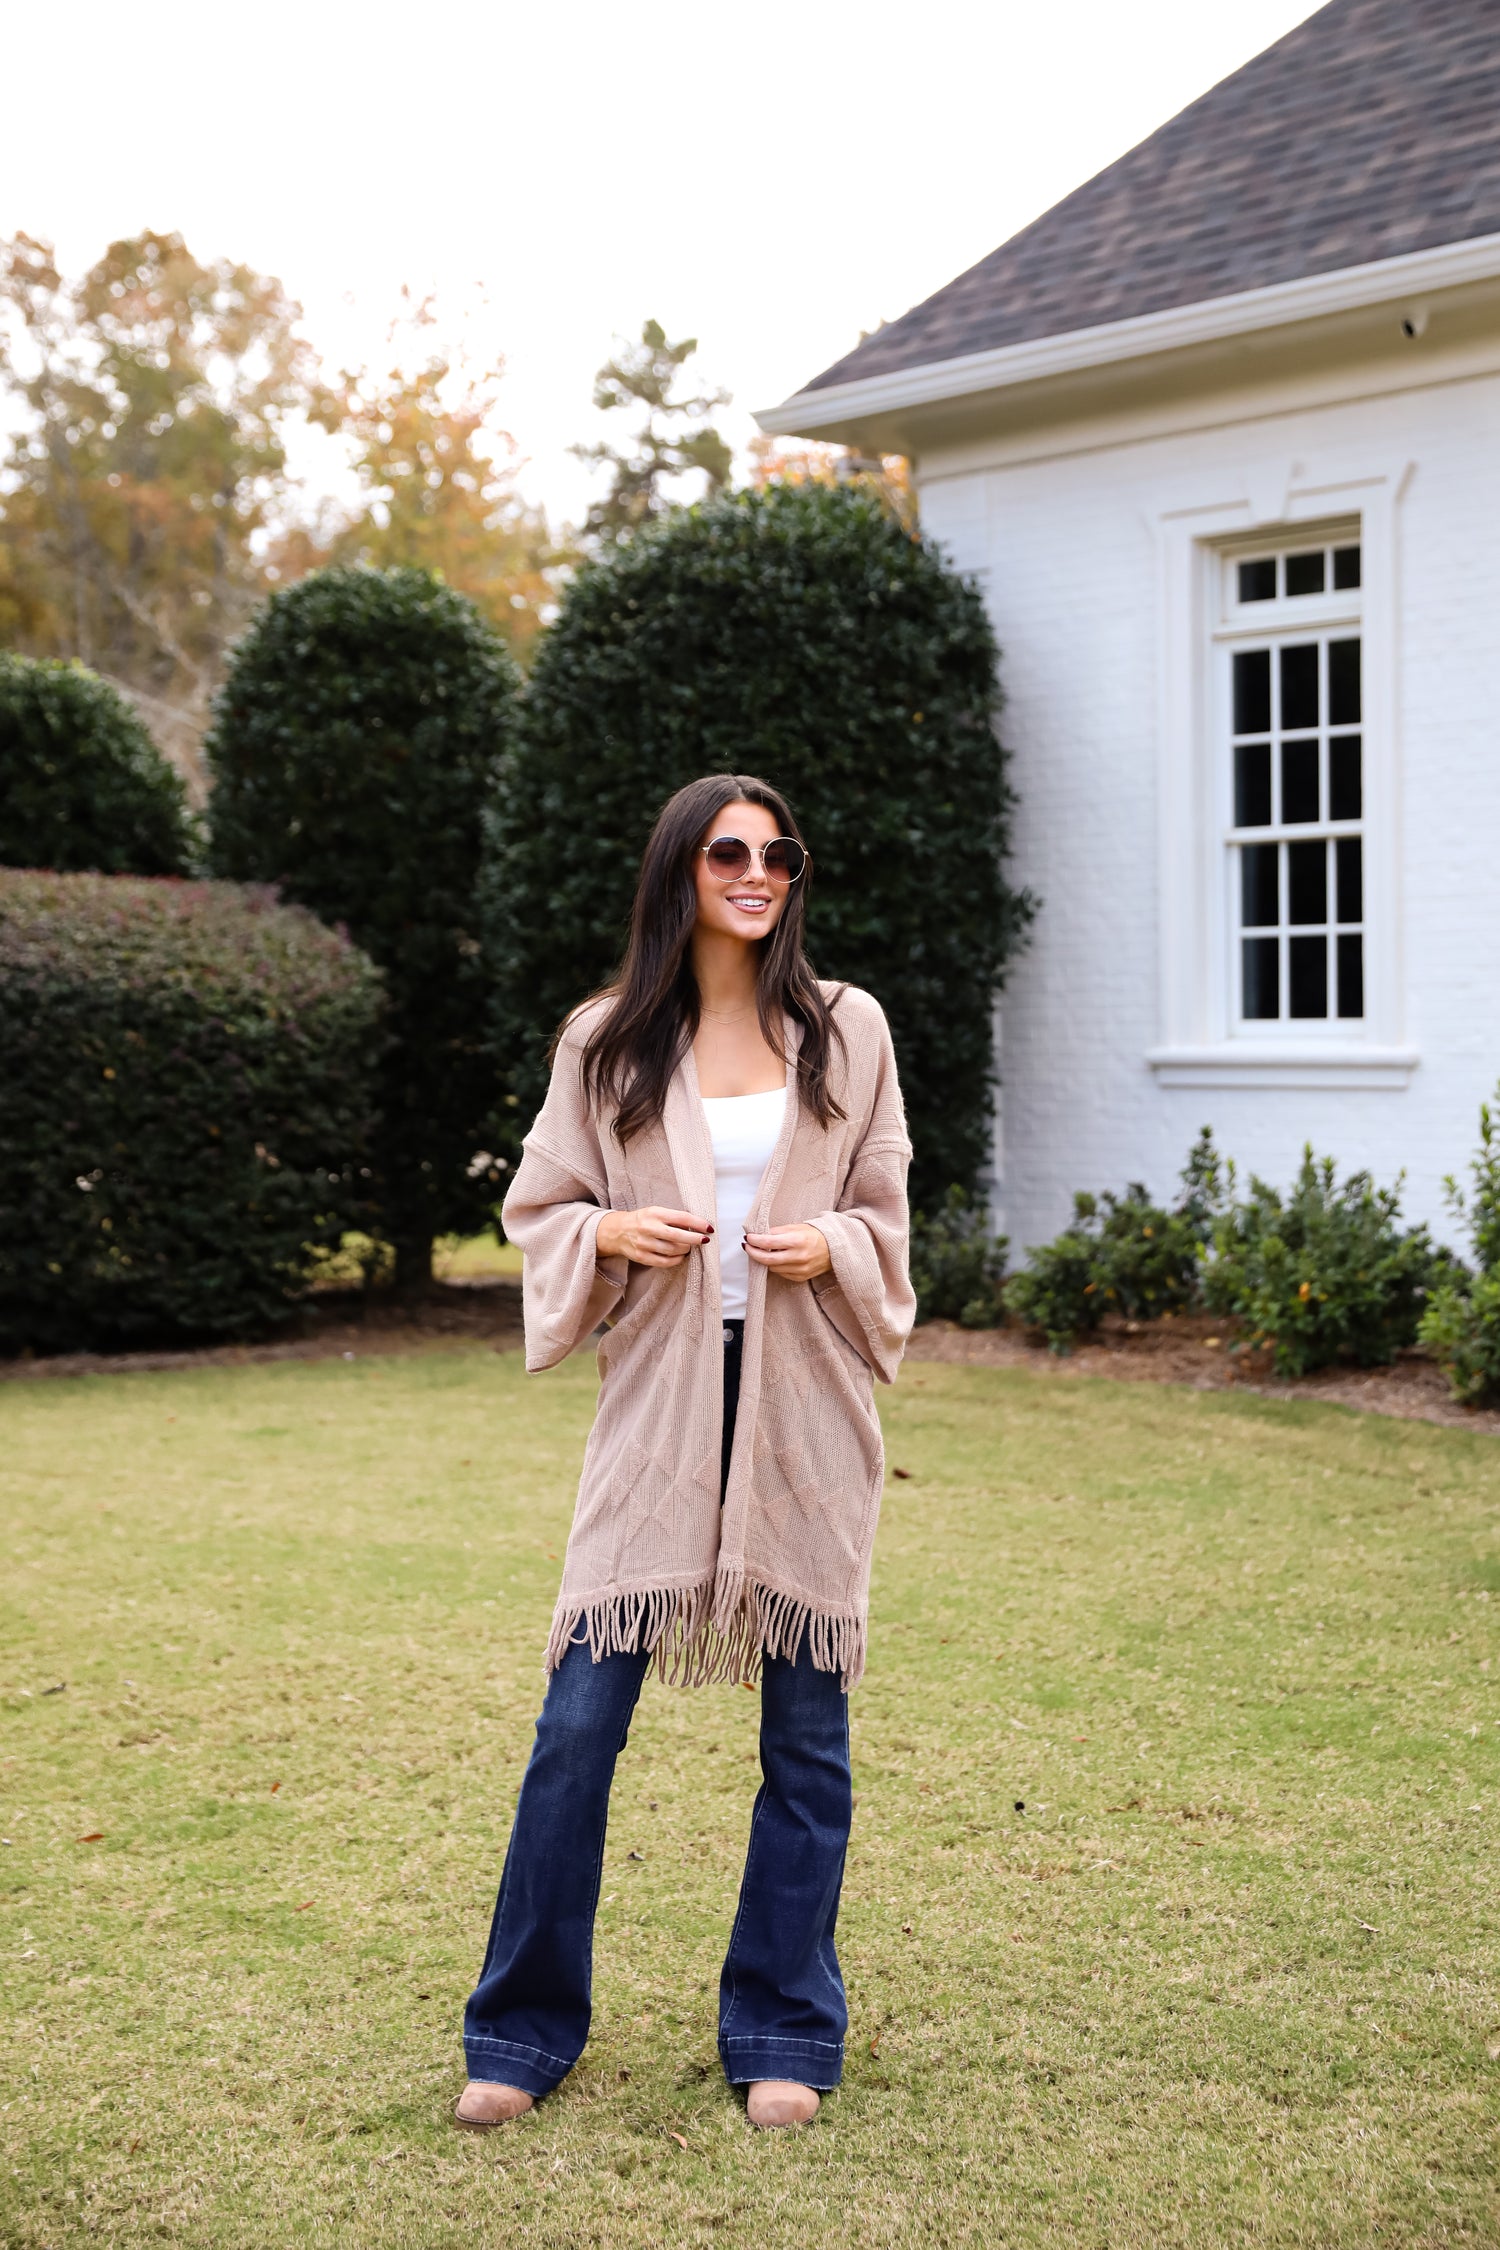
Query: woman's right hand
[653,1236]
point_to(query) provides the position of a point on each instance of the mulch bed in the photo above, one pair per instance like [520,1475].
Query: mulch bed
[1193,1349]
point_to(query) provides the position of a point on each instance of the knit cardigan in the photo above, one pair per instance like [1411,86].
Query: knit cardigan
[653,1561]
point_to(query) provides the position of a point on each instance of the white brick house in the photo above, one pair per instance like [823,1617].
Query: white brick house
[1220,437]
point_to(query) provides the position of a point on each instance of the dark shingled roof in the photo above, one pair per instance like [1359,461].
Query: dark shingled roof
[1371,130]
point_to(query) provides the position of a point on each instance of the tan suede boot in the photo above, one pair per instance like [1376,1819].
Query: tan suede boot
[781,2101]
[483,2104]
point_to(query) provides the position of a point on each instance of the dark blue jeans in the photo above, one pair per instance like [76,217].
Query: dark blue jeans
[781,1997]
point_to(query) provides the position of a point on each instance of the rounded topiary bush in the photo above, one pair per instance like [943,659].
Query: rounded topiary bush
[354,745]
[82,784]
[185,1105]
[802,634]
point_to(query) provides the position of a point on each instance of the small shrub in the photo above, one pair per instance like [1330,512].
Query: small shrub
[1461,1329]
[1461,1325]
[958,1264]
[1123,1253]
[1480,1211]
[82,784]
[185,1094]
[1323,1274]
[1058,1293]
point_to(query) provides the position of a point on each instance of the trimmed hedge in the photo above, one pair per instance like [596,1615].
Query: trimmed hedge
[82,784]
[185,1093]
[355,743]
[802,634]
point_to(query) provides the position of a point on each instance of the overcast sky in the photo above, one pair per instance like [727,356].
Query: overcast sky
[770,179]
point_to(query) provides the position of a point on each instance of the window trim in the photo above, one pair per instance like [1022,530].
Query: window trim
[1231,624]
[1199,1043]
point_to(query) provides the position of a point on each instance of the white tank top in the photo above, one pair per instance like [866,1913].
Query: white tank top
[744,1129]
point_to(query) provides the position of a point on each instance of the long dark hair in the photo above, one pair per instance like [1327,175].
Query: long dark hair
[630,1055]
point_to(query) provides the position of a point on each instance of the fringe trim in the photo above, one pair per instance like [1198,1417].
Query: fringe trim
[722,1629]
[752,1621]
[668,1620]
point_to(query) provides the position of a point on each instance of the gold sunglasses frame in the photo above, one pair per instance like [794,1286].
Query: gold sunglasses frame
[757,853]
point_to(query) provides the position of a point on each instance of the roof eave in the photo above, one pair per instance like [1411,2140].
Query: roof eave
[839,409]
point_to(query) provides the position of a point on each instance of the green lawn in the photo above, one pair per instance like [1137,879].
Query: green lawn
[1230,1978]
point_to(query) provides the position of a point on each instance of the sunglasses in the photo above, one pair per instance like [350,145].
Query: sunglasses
[730,859]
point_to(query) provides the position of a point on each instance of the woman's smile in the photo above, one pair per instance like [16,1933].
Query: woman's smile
[747,902]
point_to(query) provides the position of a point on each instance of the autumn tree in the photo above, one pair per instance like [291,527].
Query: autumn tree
[155,393]
[438,483]
[674,438]
[775,460]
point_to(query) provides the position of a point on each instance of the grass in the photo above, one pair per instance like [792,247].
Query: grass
[1228,1979]
[475,1257]
[455,1257]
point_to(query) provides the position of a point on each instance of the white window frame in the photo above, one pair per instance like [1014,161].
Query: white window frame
[1262,509]
[1234,625]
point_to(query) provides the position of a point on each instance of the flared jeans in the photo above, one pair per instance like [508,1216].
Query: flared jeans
[782,2012]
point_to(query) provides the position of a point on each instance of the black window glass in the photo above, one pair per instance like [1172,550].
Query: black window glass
[1299,684]
[1307,976]
[1307,882]
[1258,886]
[1299,782]
[1252,691]
[1350,878]
[1345,568]
[1252,785]
[1351,975]
[1262,982]
[1345,795]
[1304,573]
[1343,684]
[1258,580]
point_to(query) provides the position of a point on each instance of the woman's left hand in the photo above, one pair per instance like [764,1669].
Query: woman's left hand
[797,1253]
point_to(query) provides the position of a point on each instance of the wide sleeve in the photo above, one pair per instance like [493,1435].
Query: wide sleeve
[552,1210]
[868,1294]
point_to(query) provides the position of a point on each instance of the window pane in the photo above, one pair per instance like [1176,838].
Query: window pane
[1345,568]
[1299,781]
[1262,983]
[1252,785]
[1299,683]
[1304,573]
[1257,580]
[1345,796]
[1252,691]
[1258,885]
[1351,976]
[1343,685]
[1307,976]
[1349,868]
[1307,882]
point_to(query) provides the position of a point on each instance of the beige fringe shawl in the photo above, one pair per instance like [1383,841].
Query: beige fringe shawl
[652,1561]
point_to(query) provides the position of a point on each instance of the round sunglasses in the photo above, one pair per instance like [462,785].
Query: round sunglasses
[730,858]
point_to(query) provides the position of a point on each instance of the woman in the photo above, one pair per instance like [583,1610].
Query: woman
[719,1173]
